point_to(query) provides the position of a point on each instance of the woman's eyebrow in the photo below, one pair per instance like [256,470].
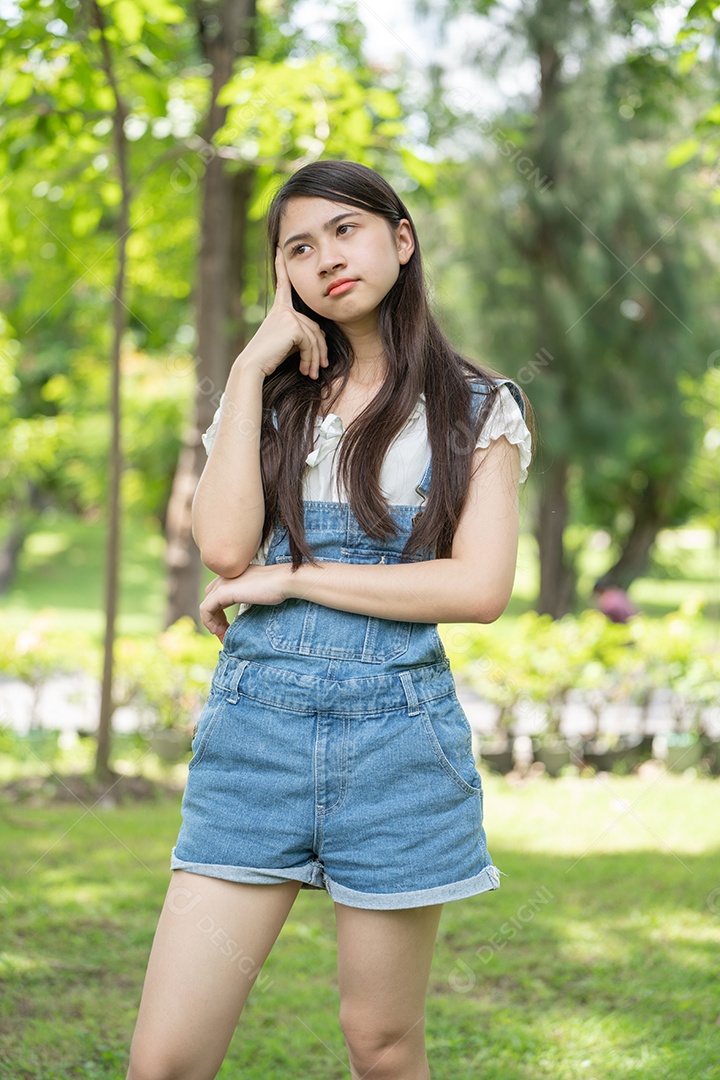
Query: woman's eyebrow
[327,226]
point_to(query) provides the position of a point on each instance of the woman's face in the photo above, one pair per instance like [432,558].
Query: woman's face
[342,261]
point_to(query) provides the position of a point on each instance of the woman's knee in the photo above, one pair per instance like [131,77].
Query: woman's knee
[378,1045]
[147,1064]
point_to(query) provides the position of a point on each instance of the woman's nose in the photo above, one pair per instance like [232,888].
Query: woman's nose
[330,259]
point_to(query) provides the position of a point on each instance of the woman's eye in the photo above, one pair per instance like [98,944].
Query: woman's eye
[297,250]
[345,227]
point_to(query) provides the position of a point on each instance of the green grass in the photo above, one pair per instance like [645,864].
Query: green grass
[61,575]
[596,959]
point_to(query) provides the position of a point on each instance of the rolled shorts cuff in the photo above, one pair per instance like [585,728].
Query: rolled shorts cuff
[252,875]
[487,879]
[313,876]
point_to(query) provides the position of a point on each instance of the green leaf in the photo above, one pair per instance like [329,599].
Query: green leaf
[687,60]
[111,194]
[84,221]
[682,153]
[163,10]
[712,116]
[701,9]
[129,19]
[20,88]
[423,171]
[384,103]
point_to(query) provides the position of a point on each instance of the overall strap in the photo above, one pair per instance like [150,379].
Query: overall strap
[479,388]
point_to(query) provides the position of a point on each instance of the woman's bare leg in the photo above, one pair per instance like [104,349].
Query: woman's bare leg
[384,960]
[212,938]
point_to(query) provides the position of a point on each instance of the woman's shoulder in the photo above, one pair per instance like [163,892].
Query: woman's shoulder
[482,384]
[506,418]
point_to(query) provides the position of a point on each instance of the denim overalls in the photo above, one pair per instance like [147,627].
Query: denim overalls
[333,749]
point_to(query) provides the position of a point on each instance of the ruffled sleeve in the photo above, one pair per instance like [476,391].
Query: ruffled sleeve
[209,437]
[506,419]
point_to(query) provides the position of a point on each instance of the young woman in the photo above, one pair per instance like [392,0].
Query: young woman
[361,487]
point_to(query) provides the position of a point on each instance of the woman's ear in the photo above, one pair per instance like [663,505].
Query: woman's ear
[405,241]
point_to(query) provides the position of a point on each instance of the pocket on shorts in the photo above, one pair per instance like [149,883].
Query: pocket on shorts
[307,629]
[208,722]
[448,734]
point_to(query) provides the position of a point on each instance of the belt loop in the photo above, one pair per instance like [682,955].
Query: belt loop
[410,695]
[234,681]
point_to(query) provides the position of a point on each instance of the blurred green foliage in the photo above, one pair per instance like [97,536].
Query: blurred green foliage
[601,662]
[574,256]
[164,676]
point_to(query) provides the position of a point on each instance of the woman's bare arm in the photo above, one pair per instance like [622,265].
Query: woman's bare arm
[228,509]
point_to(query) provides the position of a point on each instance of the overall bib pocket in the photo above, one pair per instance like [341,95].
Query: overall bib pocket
[307,629]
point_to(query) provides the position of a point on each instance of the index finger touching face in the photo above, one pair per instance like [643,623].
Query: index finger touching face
[283,291]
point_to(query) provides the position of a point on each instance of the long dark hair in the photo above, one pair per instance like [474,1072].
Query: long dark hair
[419,360]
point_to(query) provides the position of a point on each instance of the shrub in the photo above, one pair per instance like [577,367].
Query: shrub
[603,662]
[165,676]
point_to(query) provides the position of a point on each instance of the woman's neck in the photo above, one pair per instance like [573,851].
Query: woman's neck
[367,376]
[369,363]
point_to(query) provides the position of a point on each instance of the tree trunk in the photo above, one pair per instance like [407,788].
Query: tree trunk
[543,251]
[219,288]
[557,577]
[21,526]
[182,557]
[10,552]
[242,185]
[648,521]
[112,562]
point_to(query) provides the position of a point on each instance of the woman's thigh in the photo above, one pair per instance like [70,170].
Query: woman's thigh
[212,939]
[384,960]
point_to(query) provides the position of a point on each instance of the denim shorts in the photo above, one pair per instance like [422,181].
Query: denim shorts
[364,786]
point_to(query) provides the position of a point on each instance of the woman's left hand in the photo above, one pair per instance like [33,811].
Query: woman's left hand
[256,585]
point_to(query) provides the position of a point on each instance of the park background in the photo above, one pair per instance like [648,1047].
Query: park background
[560,159]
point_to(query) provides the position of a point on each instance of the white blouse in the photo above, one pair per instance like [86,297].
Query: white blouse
[406,459]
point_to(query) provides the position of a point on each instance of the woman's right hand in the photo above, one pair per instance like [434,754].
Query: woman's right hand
[285,331]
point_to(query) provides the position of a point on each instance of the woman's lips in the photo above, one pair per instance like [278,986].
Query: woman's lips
[341,287]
